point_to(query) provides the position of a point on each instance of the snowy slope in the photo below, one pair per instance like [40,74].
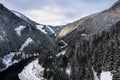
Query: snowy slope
[40,27]
[105,75]
[47,29]
[94,23]
[27,42]
[2,34]
[19,34]
[23,17]
[25,39]
[94,41]
[15,57]
[19,29]
[32,71]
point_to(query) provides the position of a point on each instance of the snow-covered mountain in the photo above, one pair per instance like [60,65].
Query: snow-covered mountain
[23,17]
[18,36]
[87,49]
[93,23]
[93,45]
[47,29]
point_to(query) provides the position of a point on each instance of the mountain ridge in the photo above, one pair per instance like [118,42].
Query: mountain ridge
[16,36]
[113,10]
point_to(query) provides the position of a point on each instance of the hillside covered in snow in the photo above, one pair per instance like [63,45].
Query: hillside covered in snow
[87,49]
[18,37]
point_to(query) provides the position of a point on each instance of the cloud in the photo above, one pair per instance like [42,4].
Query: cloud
[45,17]
[50,15]
[55,12]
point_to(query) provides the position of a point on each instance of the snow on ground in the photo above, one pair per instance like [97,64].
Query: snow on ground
[50,29]
[1,38]
[95,74]
[68,69]
[17,14]
[26,43]
[65,44]
[32,71]
[15,57]
[2,34]
[40,27]
[19,29]
[8,59]
[84,35]
[106,75]
[61,53]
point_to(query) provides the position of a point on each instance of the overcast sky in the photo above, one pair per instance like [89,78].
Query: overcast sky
[57,12]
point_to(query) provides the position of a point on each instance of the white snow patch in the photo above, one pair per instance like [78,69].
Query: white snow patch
[19,29]
[1,38]
[32,71]
[8,59]
[106,75]
[84,35]
[26,43]
[50,29]
[95,74]
[2,34]
[68,69]
[61,53]
[20,15]
[36,54]
[65,44]
[17,14]
[40,27]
